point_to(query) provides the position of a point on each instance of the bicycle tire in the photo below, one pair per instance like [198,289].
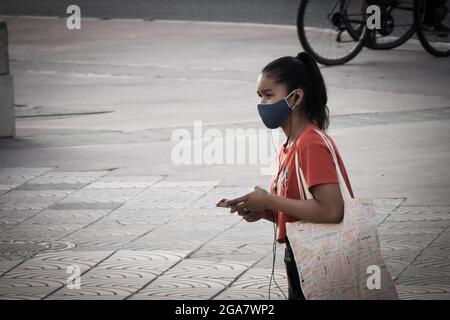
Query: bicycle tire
[307,47]
[420,34]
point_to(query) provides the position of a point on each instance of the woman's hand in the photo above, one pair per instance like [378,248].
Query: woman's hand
[255,201]
[253,216]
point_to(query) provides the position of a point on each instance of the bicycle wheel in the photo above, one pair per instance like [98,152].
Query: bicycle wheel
[323,33]
[432,21]
[397,25]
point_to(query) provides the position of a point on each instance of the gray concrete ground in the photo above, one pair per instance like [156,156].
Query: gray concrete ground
[90,181]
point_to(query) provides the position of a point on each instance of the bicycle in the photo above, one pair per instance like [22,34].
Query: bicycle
[335,31]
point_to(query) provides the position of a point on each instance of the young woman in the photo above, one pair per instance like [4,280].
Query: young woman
[293,97]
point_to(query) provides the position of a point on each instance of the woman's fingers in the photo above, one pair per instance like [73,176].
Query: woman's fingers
[252,216]
[243,211]
[235,201]
[241,206]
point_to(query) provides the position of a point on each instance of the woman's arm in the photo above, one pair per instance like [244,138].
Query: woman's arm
[326,207]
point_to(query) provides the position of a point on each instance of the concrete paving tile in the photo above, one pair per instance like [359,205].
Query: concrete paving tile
[164,244]
[102,287]
[251,294]
[154,255]
[12,177]
[67,177]
[213,249]
[400,255]
[111,231]
[401,242]
[61,260]
[26,292]
[440,246]
[78,217]
[250,259]
[395,270]
[444,236]
[387,202]
[124,182]
[101,195]
[25,249]
[194,279]
[195,273]
[254,284]
[131,269]
[9,283]
[413,227]
[147,217]
[172,279]
[431,296]
[204,226]
[4,227]
[86,206]
[259,278]
[54,276]
[165,198]
[30,200]
[4,190]
[244,232]
[422,213]
[7,265]
[267,261]
[172,232]
[99,243]
[38,232]
[16,216]
[140,264]
[205,185]
[92,295]
[419,276]
[171,293]
[210,199]
[432,258]
[205,212]
[381,217]
[398,260]
[423,292]
[53,186]
[124,273]
[211,267]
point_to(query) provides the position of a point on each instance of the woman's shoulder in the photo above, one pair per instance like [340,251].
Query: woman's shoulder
[310,137]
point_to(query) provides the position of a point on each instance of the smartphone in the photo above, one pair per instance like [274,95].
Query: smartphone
[221,204]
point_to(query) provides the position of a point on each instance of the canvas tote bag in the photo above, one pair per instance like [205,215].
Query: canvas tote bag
[343,260]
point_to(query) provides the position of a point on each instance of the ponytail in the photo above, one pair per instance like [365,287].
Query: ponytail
[316,108]
[303,72]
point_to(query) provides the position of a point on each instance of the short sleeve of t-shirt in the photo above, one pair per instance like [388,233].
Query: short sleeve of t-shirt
[316,160]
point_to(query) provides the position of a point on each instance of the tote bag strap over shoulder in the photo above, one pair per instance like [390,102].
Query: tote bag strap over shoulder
[301,178]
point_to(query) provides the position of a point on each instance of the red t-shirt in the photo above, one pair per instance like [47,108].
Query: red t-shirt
[317,165]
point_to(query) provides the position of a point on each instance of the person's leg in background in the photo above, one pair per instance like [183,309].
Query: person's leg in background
[295,289]
[434,15]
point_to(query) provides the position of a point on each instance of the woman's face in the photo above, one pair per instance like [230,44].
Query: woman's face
[268,90]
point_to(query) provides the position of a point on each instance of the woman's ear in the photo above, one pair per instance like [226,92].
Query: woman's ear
[298,97]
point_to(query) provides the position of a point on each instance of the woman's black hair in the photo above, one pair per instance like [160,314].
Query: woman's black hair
[303,72]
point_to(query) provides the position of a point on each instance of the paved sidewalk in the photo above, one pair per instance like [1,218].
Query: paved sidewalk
[89,180]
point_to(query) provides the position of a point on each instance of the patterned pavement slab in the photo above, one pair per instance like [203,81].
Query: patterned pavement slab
[146,237]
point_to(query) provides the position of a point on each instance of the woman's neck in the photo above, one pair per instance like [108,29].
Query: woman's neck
[298,123]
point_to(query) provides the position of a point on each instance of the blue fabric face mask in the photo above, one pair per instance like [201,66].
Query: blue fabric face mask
[274,114]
